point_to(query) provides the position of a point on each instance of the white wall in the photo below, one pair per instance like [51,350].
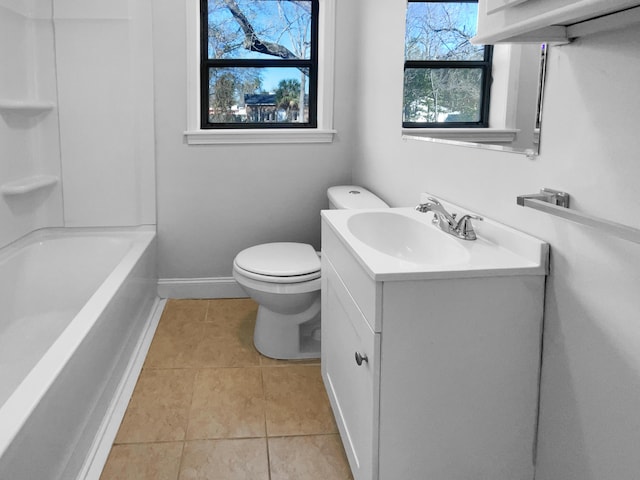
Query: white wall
[215,200]
[93,64]
[105,88]
[589,426]
[29,143]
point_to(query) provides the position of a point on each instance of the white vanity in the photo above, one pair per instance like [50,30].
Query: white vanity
[431,345]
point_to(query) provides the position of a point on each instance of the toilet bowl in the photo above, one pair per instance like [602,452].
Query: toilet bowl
[284,279]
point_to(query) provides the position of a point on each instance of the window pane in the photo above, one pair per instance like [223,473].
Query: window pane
[442,95]
[441,31]
[254,29]
[258,95]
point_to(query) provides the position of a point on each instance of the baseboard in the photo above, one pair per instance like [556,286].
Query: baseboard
[101,447]
[212,287]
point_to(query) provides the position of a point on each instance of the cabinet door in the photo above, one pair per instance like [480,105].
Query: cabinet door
[353,388]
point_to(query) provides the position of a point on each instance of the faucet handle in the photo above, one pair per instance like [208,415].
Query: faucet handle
[433,200]
[468,216]
[465,227]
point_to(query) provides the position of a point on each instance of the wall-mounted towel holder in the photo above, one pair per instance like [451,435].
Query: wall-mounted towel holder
[556,203]
[548,195]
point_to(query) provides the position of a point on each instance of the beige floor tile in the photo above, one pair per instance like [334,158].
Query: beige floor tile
[174,344]
[234,317]
[159,407]
[194,344]
[227,403]
[313,457]
[238,459]
[297,403]
[178,334]
[232,310]
[225,346]
[184,310]
[143,461]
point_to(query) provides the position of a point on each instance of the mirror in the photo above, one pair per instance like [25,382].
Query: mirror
[516,105]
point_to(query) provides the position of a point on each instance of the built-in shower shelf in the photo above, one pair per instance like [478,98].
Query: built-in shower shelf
[28,184]
[26,107]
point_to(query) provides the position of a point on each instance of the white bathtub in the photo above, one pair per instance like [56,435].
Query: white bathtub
[75,306]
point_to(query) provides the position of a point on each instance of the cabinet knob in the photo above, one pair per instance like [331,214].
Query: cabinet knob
[361,358]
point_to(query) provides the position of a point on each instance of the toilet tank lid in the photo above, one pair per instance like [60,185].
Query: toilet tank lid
[354,197]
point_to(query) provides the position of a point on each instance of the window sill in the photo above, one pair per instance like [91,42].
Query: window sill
[479,135]
[218,137]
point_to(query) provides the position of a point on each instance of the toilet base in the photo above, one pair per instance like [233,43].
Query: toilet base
[288,337]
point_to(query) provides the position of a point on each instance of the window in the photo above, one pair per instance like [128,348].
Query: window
[446,79]
[258,64]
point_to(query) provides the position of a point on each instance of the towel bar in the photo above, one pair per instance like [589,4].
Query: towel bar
[556,203]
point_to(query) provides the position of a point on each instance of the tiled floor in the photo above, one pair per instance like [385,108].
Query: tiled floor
[207,405]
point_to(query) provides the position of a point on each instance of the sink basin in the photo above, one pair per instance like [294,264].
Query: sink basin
[397,244]
[406,239]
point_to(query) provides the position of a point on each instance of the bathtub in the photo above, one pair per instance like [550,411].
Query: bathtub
[76,312]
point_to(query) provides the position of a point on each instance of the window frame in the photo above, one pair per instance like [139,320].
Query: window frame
[322,133]
[206,63]
[485,65]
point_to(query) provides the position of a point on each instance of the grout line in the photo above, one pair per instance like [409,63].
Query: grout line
[206,312]
[295,435]
[207,367]
[186,429]
[266,427]
[210,367]
[215,439]
[184,444]
[152,442]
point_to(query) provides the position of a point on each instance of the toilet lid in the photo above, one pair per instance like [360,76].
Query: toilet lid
[283,259]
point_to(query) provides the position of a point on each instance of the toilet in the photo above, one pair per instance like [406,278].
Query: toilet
[284,279]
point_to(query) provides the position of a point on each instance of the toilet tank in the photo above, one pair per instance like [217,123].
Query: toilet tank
[353,197]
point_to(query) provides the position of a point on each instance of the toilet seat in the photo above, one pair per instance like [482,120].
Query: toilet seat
[284,285]
[275,279]
[281,262]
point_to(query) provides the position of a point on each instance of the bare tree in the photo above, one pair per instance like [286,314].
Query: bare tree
[252,40]
[286,39]
[439,31]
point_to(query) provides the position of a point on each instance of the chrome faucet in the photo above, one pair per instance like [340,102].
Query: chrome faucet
[447,222]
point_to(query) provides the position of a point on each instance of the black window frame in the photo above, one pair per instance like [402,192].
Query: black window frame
[485,65]
[206,63]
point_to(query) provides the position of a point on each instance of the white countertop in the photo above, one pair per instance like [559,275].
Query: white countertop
[499,250]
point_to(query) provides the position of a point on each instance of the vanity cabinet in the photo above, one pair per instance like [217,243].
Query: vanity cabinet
[430,378]
[555,21]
